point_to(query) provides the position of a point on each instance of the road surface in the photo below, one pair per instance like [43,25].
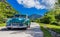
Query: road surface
[34,31]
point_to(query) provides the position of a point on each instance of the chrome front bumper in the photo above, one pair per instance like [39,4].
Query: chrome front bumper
[16,26]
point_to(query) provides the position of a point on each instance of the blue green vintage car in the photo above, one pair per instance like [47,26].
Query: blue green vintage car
[18,21]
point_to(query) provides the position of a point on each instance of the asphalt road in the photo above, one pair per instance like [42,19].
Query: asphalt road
[34,31]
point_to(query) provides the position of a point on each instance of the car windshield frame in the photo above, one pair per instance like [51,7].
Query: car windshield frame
[20,16]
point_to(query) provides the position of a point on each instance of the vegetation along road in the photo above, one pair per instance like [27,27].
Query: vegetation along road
[34,31]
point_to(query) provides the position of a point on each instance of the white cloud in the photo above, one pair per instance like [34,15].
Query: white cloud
[49,3]
[37,3]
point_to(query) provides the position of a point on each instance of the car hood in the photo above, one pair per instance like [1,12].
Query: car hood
[17,20]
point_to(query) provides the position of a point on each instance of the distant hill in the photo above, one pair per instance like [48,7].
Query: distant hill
[35,16]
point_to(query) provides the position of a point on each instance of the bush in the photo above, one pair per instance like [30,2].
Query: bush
[45,20]
[46,32]
[2,24]
[37,20]
[56,23]
[56,30]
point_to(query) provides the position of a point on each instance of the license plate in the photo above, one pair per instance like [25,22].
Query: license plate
[15,24]
[20,24]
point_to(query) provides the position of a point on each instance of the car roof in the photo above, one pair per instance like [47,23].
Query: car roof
[20,14]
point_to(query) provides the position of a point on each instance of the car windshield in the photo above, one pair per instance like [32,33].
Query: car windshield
[20,16]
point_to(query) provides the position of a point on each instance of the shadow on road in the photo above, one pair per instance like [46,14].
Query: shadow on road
[34,32]
[15,29]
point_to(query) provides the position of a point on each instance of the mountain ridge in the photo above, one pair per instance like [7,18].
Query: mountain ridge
[35,16]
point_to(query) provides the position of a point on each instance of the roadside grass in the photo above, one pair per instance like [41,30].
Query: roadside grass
[45,31]
[3,24]
[52,27]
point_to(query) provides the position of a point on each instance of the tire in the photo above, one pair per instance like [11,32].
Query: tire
[25,28]
[28,26]
[9,28]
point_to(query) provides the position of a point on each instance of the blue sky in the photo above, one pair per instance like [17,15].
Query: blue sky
[25,7]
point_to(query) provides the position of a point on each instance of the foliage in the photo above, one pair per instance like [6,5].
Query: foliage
[59,1]
[52,19]
[45,31]
[2,24]
[52,16]
[6,11]
[52,27]
[47,19]
[37,20]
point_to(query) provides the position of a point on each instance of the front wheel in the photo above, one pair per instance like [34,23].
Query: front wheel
[28,26]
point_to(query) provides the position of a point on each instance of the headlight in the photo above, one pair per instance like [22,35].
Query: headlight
[8,24]
[8,20]
[25,21]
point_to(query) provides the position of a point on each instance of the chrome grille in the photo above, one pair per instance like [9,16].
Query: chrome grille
[17,24]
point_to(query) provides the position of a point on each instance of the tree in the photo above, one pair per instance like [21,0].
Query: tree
[6,11]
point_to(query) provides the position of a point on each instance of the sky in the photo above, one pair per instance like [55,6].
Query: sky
[30,7]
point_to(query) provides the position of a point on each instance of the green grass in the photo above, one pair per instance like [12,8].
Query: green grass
[52,27]
[3,24]
[45,31]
